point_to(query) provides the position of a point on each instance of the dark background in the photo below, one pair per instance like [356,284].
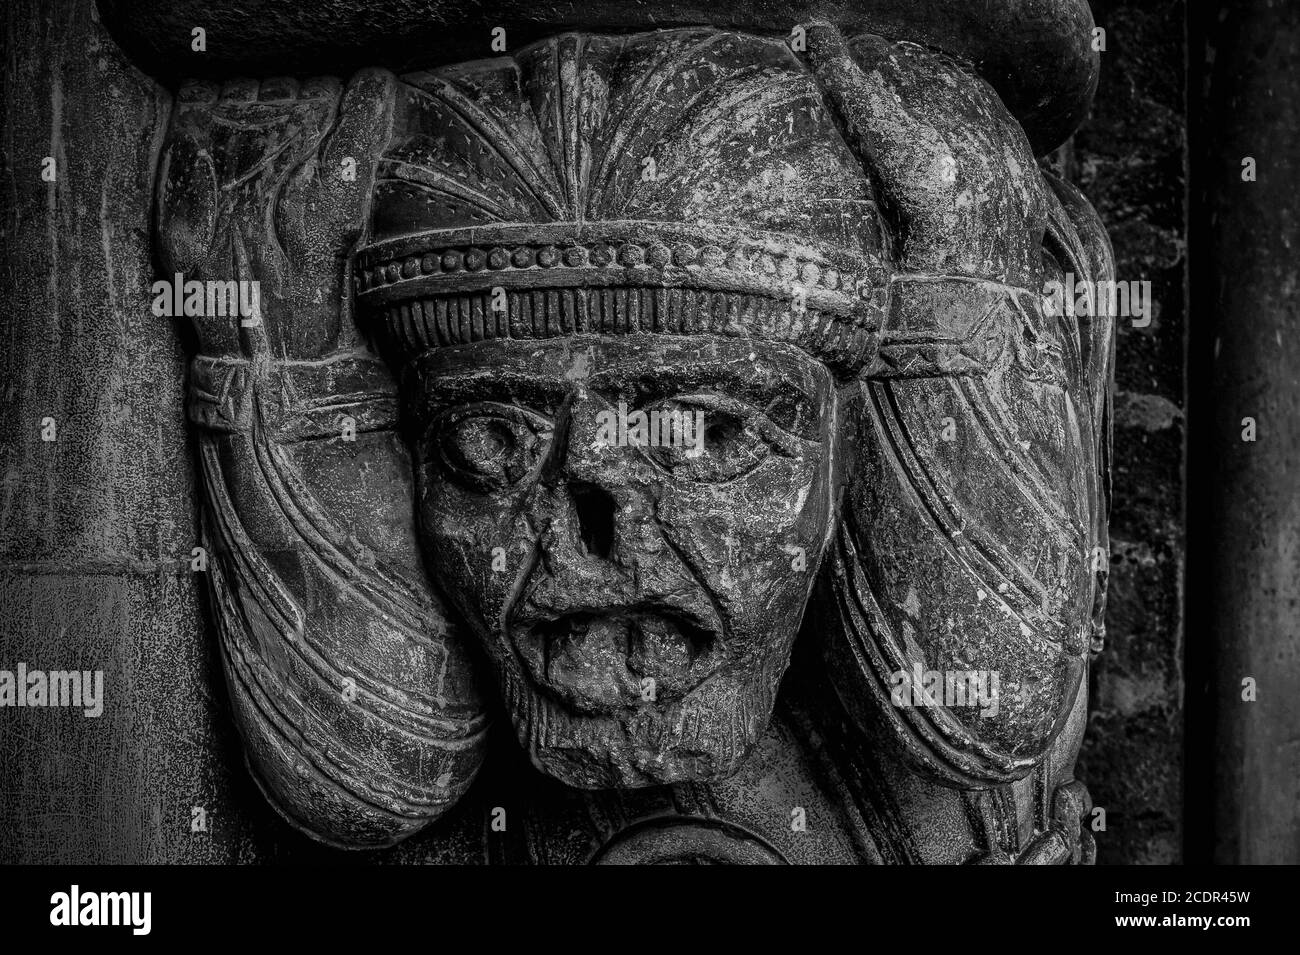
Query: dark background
[1130,158]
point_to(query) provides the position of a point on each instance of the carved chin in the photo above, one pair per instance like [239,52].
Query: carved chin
[703,737]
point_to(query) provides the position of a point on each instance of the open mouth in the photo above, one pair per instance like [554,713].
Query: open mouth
[614,659]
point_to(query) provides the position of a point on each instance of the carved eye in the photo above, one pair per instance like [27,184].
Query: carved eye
[488,446]
[707,438]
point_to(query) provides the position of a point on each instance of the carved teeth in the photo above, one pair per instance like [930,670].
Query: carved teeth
[600,660]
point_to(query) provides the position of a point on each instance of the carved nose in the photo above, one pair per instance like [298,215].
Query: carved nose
[595,510]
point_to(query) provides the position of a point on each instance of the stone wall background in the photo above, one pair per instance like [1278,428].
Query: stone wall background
[1130,158]
[95,527]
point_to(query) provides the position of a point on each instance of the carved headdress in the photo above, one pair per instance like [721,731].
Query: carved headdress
[696,182]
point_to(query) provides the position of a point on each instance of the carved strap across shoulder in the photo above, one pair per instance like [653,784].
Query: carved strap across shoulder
[293,400]
[950,326]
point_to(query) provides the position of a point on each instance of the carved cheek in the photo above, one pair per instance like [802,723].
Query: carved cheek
[755,543]
[475,541]
[800,519]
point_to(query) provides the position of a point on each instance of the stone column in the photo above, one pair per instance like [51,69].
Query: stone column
[1244,513]
[97,507]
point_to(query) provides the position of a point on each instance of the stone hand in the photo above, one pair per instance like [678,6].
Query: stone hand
[270,182]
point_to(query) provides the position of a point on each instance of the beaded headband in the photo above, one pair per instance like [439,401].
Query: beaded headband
[459,286]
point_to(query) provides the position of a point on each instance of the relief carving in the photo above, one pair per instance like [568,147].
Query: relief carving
[833,258]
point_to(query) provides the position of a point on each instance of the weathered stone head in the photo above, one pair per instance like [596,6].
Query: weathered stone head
[819,256]
[625,279]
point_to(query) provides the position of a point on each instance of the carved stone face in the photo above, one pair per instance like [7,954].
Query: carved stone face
[638,603]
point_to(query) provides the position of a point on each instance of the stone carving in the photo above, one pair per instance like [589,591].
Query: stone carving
[832,257]
[352,693]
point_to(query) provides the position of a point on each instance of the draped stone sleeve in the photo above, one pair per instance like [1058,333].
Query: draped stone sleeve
[975,499]
[358,711]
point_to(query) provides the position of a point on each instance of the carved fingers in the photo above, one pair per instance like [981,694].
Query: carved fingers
[950,163]
[267,182]
[321,212]
[363,130]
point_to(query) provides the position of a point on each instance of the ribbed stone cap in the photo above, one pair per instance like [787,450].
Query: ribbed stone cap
[1036,53]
